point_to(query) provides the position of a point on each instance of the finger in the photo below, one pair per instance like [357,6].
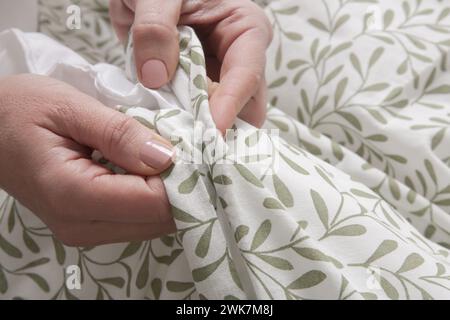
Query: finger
[212,86]
[121,139]
[121,18]
[241,77]
[155,39]
[254,112]
[97,195]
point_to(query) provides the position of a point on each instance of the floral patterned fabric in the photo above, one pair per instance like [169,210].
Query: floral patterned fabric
[350,201]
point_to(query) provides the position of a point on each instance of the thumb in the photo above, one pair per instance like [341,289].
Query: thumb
[130,145]
[120,138]
[155,40]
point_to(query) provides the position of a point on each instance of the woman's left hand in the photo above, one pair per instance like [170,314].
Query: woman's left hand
[235,35]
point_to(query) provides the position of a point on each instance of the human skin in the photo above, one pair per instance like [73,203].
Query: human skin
[49,128]
[235,35]
[47,134]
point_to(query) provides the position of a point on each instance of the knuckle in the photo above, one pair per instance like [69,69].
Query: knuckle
[117,132]
[158,196]
[63,113]
[261,22]
[153,30]
[254,76]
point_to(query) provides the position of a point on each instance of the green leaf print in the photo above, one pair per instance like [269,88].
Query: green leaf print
[183,216]
[9,249]
[321,207]
[197,58]
[143,274]
[276,262]
[248,175]
[309,279]
[188,185]
[59,251]
[389,289]
[30,243]
[114,281]
[156,288]
[3,281]
[350,118]
[39,281]
[288,11]
[283,192]
[349,231]
[177,286]
[223,180]
[364,194]
[234,273]
[411,262]
[200,83]
[261,234]
[130,250]
[386,247]
[241,231]
[361,105]
[202,273]
[145,122]
[202,247]
[294,165]
[316,255]
[35,263]
[272,203]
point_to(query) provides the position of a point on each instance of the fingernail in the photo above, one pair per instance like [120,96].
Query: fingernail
[154,74]
[156,154]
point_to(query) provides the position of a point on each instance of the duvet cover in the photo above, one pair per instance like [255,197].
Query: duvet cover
[343,194]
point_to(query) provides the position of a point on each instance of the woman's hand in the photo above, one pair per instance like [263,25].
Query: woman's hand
[47,133]
[235,35]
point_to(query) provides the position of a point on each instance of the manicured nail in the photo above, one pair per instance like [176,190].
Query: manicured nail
[154,74]
[156,154]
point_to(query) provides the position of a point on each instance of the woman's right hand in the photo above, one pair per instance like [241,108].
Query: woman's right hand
[48,130]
